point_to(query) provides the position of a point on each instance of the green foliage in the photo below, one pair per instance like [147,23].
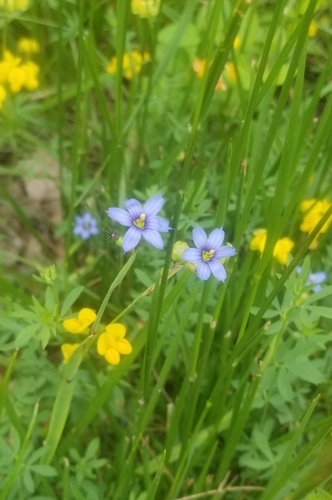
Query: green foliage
[227,390]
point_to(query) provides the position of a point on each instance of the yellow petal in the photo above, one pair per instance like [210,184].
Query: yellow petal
[123,346]
[102,344]
[68,350]
[116,330]
[73,325]
[112,356]
[87,315]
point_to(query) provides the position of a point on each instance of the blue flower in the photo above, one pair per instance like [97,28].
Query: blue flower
[142,221]
[207,253]
[314,279]
[86,226]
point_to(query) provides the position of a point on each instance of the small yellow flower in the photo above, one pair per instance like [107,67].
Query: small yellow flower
[282,249]
[313,212]
[198,66]
[3,94]
[8,63]
[80,324]
[31,71]
[132,63]
[16,79]
[28,46]
[112,343]
[236,43]
[259,240]
[12,5]
[221,85]
[313,28]
[230,71]
[67,351]
[146,9]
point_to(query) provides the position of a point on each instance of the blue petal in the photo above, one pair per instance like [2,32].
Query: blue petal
[192,255]
[225,251]
[163,224]
[120,215]
[87,218]
[200,238]
[317,277]
[77,230]
[134,208]
[131,239]
[153,237]
[157,223]
[203,271]
[215,239]
[153,205]
[217,269]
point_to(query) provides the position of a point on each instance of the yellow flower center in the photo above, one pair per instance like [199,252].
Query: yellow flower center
[140,222]
[207,255]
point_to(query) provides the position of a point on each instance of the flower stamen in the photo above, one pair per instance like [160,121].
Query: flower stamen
[140,222]
[207,255]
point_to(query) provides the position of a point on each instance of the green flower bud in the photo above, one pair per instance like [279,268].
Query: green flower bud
[48,274]
[178,248]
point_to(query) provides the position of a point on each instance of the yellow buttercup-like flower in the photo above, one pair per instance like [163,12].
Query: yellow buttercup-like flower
[8,63]
[31,71]
[281,249]
[314,210]
[131,64]
[28,46]
[313,28]
[80,324]
[199,66]
[259,240]
[16,79]
[112,343]
[68,350]
[146,9]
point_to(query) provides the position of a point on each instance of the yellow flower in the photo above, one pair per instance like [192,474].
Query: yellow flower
[230,71]
[31,71]
[199,67]
[145,8]
[28,46]
[132,63]
[313,212]
[16,79]
[221,85]
[259,240]
[11,5]
[112,343]
[8,63]
[68,350]
[236,43]
[3,94]
[282,248]
[313,28]
[84,319]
